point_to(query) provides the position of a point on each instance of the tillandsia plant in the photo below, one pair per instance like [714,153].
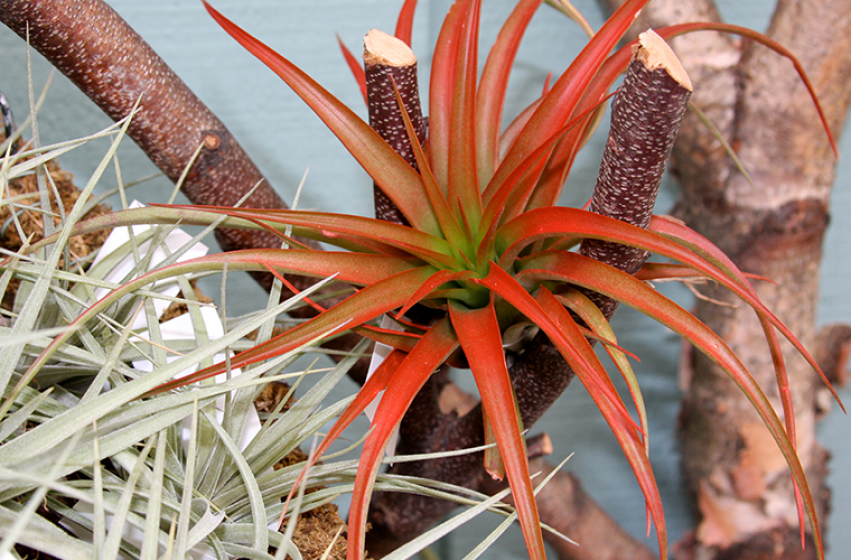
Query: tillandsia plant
[482,251]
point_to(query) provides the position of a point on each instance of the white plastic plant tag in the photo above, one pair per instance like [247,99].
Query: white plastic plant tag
[379,353]
[119,236]
[181,328]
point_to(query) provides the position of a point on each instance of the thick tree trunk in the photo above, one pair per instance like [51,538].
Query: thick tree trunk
[774,228]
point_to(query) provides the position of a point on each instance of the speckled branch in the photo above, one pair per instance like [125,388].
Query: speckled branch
[94,47]
[641,121]
[389,61]
[646,116]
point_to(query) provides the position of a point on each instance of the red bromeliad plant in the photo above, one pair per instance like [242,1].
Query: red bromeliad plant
[483,245]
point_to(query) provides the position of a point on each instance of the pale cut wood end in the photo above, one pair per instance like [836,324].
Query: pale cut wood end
[381,48]
[655,53]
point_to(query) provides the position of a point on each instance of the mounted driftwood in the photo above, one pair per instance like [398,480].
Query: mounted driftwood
[773,228]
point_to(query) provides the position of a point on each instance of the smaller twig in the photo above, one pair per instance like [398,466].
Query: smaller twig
[389,61]
[646,116]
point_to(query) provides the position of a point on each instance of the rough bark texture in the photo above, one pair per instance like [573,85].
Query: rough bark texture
[773,228]
[646,117]
[92,45]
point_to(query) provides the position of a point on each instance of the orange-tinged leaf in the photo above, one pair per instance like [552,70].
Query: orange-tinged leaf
[434,348]
[689,238]
[376,383]
[573,344]
[442,90]
[365,305]
[328,227]
[628,437]
[387,168]
[611,282]
[479,334]
[560,328]
[558,105]
[356,68]
[462,182]
[451,229]
[591,315]
[493,86]
[405,22]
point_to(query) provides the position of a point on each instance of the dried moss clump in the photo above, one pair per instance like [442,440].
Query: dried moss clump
[30,216]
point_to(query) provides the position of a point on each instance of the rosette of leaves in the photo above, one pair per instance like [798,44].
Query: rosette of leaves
[484,247]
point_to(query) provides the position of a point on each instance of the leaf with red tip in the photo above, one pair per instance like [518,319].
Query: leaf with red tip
[674,30]
[591,315]
[494,84]
[442,91]
[405,23]
[434,348]
[376,383]
[327,226]
[366,304]
[387,168]
[556,322]
[580,356]
[356,68]
[559,103]
[569,222]
[480,337]
[689,238]
[462,182]
[449,225]
[618,285]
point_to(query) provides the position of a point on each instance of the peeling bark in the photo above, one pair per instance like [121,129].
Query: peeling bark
[773,228]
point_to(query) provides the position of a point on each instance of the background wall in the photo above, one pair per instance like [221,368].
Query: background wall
[286,139]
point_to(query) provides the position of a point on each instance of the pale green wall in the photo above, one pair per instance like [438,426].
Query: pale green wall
[285,138]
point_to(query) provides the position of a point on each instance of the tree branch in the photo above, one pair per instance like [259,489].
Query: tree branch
[116,69]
